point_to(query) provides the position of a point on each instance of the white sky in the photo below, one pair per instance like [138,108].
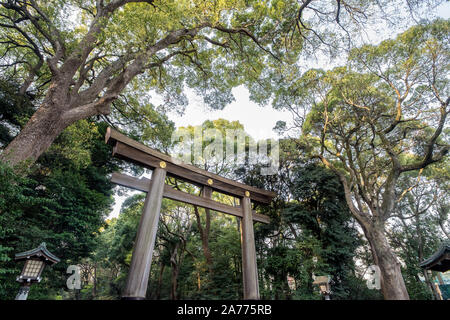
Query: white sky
[258,121]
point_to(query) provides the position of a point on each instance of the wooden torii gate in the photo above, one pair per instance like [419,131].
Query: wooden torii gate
[163,165]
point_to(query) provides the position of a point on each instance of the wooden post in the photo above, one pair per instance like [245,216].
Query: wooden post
[141,261]
[249,268]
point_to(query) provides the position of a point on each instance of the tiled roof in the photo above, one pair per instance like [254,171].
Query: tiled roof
[41,250]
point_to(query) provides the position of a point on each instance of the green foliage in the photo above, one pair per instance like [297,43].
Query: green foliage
[312,232]
[142,120]
[379,117]
[16,197]
[65,197]
[63,202]
[419,226]
[112,256]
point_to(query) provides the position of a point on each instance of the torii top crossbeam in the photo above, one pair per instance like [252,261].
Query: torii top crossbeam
[133,151]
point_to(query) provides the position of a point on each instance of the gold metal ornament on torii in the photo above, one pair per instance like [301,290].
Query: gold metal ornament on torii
[163,165]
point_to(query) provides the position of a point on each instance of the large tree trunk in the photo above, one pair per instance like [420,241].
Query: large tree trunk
[392,283]
[204,231]
[36,137]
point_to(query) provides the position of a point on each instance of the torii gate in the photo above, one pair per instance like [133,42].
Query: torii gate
[130,150]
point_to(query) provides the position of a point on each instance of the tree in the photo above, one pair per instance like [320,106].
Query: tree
[311,233]
[82,69]
[382,116]
[174,233]
[15,199]
[63,202]
[320,211]
[206,135]
[416,228]
[65,197]
[15,110]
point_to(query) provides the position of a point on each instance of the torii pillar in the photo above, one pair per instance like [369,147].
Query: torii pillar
[249,267]
[141,260]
